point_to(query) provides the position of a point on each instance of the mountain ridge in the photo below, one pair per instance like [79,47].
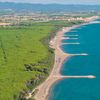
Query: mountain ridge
[48,7]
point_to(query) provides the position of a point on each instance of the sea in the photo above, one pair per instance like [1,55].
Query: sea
[84,39]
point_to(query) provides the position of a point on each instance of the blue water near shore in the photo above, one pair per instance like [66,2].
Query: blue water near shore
[80,89]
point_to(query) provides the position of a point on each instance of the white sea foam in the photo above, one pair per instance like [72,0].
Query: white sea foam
[73,38]
[95,22]
[68,38]
[81,54]
[71,35]
[73,31]
[77,43]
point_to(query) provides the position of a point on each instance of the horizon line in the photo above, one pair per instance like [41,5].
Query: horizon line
[81,4]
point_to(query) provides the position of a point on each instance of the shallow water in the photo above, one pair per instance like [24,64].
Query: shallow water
[80,89]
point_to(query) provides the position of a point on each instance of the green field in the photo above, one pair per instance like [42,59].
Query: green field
[25,57]
[22,57]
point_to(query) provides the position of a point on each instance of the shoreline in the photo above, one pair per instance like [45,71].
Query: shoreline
[60,57]
[42,91]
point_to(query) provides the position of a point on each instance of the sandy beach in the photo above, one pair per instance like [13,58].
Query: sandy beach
[60,56]
[44,88]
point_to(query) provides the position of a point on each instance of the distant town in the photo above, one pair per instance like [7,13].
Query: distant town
[14,19]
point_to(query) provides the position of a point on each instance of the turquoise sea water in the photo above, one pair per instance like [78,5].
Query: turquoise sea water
[80,89]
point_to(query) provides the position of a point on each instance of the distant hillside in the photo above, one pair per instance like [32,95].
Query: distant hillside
[48,7]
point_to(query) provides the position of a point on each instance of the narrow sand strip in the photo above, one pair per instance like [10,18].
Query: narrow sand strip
[60,57]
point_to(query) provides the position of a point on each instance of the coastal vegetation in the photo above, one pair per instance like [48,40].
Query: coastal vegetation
[25,57]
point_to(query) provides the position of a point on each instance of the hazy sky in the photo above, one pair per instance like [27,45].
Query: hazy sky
[57,1]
